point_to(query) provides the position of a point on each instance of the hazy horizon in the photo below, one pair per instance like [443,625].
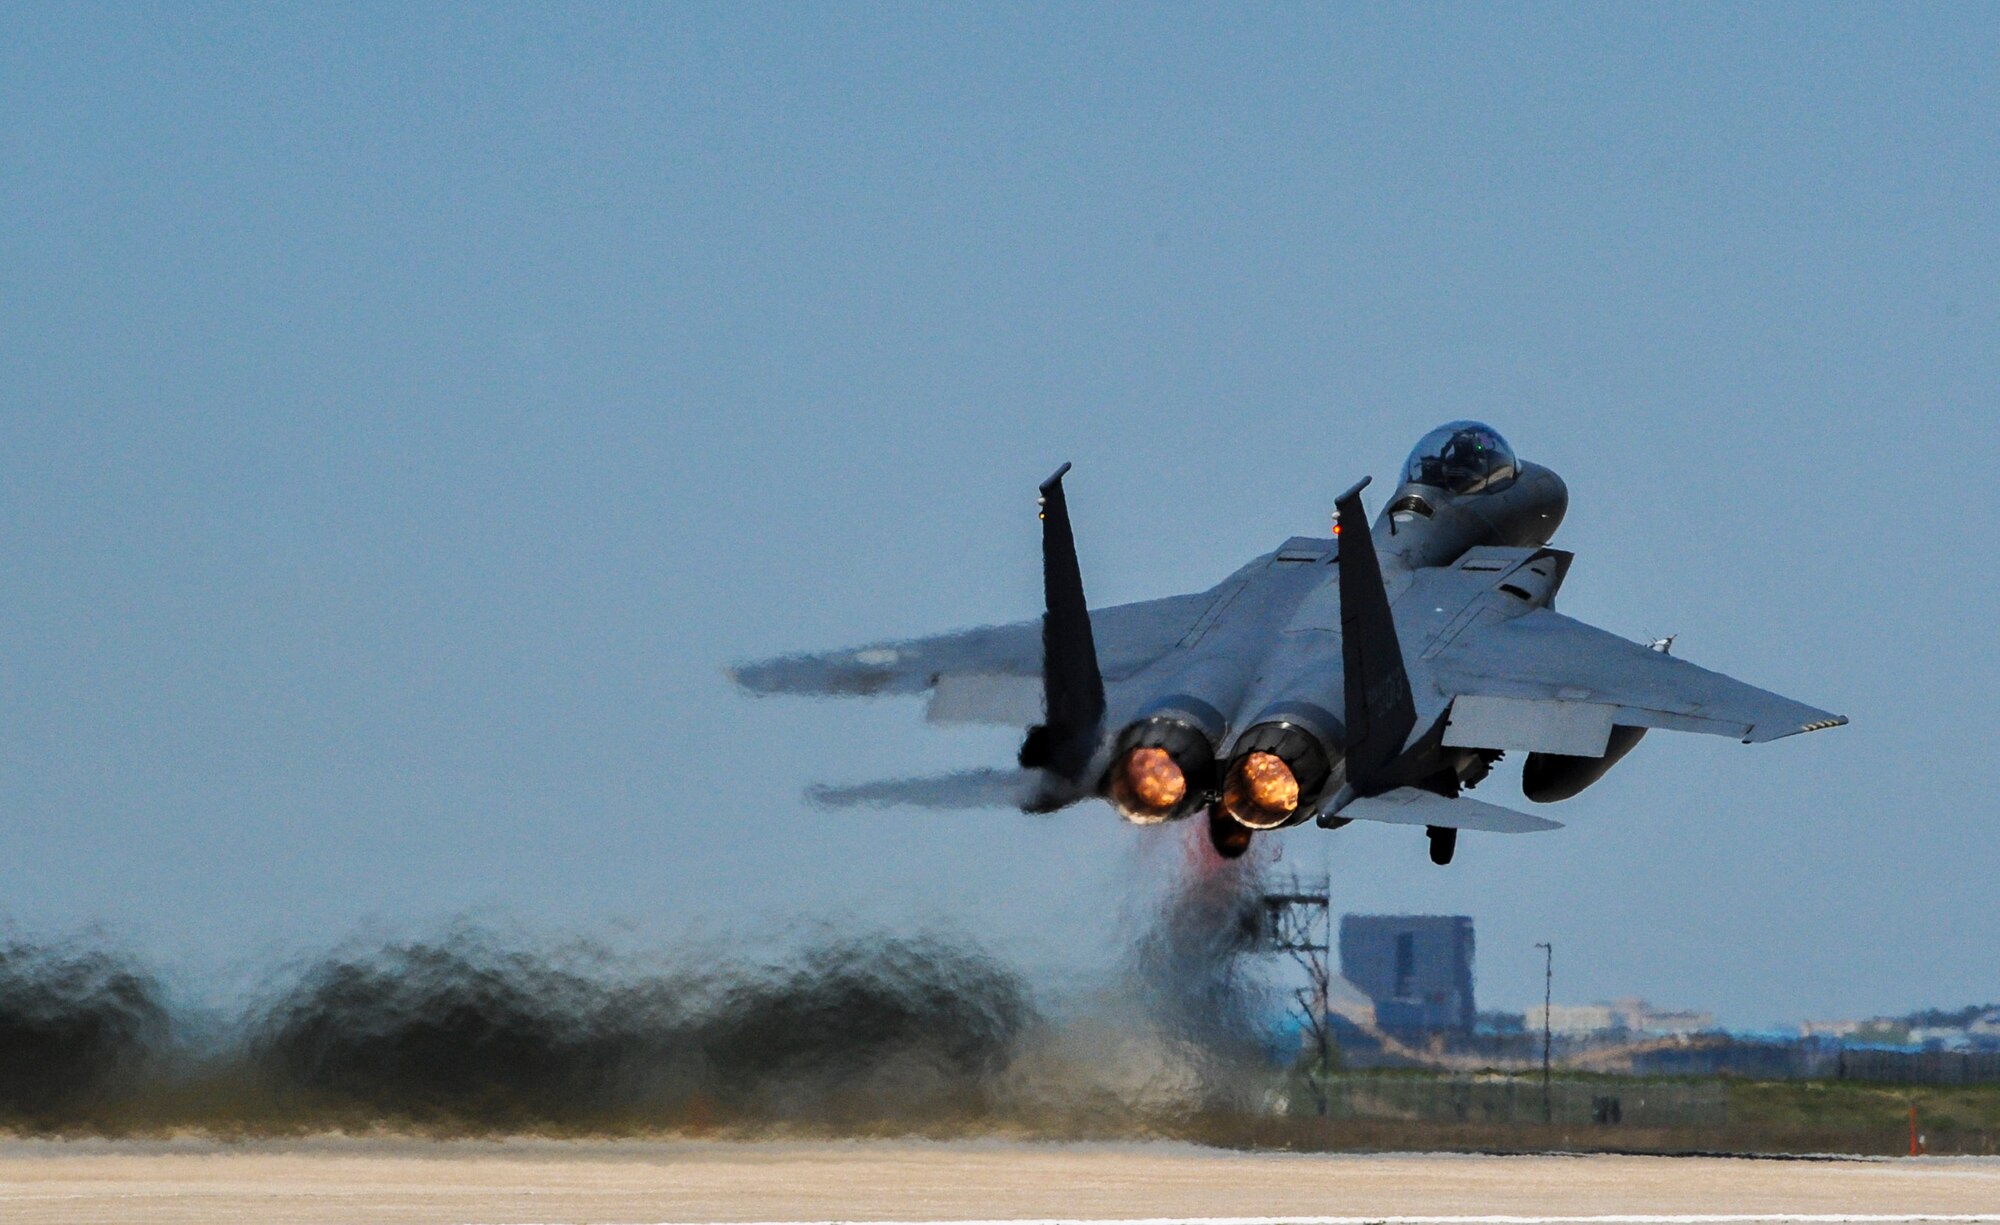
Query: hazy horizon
[412,412]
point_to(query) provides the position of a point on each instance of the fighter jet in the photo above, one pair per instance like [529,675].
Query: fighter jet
[1376,675]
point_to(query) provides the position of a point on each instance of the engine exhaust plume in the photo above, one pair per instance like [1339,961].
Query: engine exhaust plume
[1262,792]
[1188,989]
[1229,838]
[76,1026]
[1148,785]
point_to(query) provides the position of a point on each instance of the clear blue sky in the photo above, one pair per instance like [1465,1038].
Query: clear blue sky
[408,411]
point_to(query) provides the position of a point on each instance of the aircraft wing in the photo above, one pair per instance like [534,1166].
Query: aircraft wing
[986,675]
[1547,683]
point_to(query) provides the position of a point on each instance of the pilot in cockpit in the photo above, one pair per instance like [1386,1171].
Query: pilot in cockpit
[1462,457]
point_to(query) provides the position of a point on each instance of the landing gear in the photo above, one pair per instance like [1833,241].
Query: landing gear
[1444,840]
[1228,838]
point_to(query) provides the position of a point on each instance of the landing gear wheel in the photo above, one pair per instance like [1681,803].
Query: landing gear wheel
[1444,840]
[1228,838]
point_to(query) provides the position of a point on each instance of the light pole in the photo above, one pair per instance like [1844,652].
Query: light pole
[1548,995]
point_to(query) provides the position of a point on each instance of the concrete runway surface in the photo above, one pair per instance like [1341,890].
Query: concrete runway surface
[393,1180]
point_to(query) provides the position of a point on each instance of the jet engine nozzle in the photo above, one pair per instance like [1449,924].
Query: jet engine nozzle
[1148,785]
[1262,792]
[1278,766]
[1161,771]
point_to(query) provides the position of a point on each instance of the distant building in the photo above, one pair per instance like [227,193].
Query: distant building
[1501,1023]
[1941,1038]
[1943,1032]
[1874,1031]
[1642,1018]
[1575,1018]
[1631,1015]
[1416,968]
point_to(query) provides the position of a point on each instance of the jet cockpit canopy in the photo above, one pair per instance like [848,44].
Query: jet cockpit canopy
[1462,457]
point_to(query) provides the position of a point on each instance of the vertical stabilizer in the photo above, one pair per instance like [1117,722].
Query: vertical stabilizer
[1380,712]
[1072,687]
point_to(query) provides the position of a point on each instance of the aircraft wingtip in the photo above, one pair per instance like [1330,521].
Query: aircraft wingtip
[1761,733]
[752,679]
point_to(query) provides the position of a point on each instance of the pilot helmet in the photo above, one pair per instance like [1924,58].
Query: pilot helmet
[1462,457]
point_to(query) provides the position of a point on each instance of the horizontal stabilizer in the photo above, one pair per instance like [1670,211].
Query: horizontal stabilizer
[1021,789]
[1409,806]
[965,698]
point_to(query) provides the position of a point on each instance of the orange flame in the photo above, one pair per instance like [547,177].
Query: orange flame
[1262,791]
[1148,783]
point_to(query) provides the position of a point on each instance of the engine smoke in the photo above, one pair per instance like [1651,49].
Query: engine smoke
[1186,968]
[900,1028]
[76,1027]
[469,1031]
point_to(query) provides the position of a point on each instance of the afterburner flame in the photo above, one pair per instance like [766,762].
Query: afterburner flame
[1270,781]
[1149,784]
[1262,791]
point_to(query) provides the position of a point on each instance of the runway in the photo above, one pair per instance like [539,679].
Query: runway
[520,1181]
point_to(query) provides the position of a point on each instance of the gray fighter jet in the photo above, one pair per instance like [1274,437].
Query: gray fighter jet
[1372,676]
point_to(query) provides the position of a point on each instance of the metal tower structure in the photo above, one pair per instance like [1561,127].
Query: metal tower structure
[1298,923]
